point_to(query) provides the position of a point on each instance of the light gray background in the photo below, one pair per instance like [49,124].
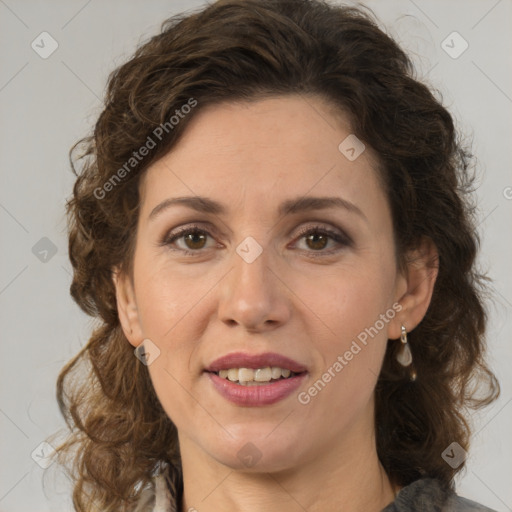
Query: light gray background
[47,104]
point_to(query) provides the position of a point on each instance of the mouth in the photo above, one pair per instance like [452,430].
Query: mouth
[255,380]
[244,393]
[256,376]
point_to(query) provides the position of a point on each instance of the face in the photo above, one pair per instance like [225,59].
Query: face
[307,282]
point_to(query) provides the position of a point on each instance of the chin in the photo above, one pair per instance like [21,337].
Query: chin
[256,454]
[252,461]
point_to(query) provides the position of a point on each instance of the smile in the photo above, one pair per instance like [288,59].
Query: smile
[256,377]
[256,394]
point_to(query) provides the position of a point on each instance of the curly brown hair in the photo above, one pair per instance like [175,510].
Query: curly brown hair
[244,50]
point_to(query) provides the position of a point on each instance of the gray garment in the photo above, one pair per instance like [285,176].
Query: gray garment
[423,495]
[429,495]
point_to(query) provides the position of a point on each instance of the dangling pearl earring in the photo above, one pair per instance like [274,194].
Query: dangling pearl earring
[404,356]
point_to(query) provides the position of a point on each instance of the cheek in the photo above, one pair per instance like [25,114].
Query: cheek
[168,304]
[168,309]
[352,299]
[166,297]
[355,308]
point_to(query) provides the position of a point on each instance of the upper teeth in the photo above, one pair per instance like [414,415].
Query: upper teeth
[258,375]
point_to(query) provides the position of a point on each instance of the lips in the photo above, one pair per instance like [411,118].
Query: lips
[256,396]
[244,360]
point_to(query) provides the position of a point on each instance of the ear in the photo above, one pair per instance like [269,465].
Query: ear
[127,308]
[415,286]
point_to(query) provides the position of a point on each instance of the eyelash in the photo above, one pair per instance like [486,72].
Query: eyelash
[342,239]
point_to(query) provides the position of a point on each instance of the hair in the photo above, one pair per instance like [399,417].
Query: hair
[246,50]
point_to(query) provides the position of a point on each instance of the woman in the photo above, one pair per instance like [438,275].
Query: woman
[273,229]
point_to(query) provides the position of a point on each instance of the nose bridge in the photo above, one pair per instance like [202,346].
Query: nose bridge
[252,294]
[252,262]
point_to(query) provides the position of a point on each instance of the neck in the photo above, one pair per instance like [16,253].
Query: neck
[348,477]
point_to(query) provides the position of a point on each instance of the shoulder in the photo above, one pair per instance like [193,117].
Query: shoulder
[431,495]
[459,504]
[156,498]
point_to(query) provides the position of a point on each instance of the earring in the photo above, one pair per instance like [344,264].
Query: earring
[404,356]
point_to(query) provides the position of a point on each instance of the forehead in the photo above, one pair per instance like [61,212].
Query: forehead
[254,154]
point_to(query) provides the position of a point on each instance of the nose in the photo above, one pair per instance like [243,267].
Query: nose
[254,295]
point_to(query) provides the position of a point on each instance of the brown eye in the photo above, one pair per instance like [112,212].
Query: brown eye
[317,238]
[195,240]
[317,241]
[192,239]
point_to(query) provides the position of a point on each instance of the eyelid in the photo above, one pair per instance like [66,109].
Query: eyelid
[336,233]
[339,236]
[177,233]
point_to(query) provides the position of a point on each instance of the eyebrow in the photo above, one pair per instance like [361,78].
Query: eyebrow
[288,207]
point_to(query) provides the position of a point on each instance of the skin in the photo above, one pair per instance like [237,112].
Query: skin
[251,157]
